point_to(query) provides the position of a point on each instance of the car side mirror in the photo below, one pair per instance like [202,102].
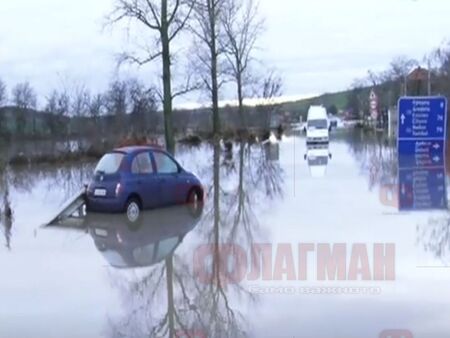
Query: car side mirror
[304,157]
[330,155]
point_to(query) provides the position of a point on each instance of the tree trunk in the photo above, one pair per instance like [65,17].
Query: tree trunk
[243,125]
[216,259]
[170,297]
[167,85]
[214,68]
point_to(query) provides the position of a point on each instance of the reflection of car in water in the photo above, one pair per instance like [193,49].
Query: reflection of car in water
[318,157]
[147,241]
[134,178]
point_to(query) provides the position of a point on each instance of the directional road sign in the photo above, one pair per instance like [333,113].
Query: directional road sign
[422,117]
[421,153]
[421,144]
[422,189]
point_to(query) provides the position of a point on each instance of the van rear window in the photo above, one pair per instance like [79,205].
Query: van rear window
[110,163]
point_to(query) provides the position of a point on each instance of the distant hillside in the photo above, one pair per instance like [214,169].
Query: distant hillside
[26,123]
[338,99]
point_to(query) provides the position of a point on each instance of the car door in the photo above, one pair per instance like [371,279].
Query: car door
[168,176]
[146,180]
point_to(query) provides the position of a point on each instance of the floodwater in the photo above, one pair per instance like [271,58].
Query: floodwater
[290,242]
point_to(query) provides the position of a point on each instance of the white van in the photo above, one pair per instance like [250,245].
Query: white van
[317,125]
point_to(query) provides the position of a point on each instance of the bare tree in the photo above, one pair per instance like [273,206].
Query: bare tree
[3,93]
[96,106]
[166,18]
[206,28]
[3,99]
[58,105]
[24,96]
[143,104]
[441,58]
[270,87]
[117,103]
[401,67]
[81,100]
[242,27]
[79,110]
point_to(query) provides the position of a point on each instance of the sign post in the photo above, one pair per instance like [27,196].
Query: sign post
[422,124]
[373,105]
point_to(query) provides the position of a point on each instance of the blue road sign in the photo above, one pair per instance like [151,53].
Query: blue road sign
[421,153]
[422,189]
[422,117]
[422,123]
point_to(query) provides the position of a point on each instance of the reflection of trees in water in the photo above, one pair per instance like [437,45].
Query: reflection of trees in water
[67,178]
[258,180]
[72,178]
[194,305]
[435,237]
[6,212]
[144,295]
[376,155]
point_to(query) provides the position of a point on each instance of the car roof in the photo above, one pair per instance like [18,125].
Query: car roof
[135,149]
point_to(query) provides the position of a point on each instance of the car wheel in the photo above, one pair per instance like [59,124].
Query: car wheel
[194,202]
[133,210]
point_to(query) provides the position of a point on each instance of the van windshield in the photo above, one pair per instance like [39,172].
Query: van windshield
[110,163]
[318,124]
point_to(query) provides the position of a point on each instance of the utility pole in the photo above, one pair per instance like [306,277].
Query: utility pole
[429,77]
[405,93]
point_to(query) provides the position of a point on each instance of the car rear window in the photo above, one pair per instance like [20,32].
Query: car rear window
[110,163]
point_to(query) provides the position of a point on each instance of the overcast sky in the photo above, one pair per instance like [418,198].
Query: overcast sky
[317,45]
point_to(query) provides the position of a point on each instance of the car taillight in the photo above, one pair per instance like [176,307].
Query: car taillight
[118,189]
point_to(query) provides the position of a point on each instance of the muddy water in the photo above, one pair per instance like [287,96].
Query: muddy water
[290,242]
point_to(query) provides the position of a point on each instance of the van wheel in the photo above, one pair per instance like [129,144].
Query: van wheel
[133,209]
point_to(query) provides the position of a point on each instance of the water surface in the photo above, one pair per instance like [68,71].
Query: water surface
[179,272]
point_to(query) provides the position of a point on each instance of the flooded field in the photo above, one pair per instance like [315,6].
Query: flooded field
[290,242]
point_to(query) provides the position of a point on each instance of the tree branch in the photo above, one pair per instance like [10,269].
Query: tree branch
[128,58]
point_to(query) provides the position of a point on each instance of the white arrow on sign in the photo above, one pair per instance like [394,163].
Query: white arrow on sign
[403,117]
[436,146]
[436,159]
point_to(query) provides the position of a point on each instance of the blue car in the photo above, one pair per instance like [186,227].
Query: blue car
[131,179]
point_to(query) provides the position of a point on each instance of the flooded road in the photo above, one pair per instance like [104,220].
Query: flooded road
[290,242]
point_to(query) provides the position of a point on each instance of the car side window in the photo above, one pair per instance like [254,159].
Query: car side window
[164,164]
[142,164]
